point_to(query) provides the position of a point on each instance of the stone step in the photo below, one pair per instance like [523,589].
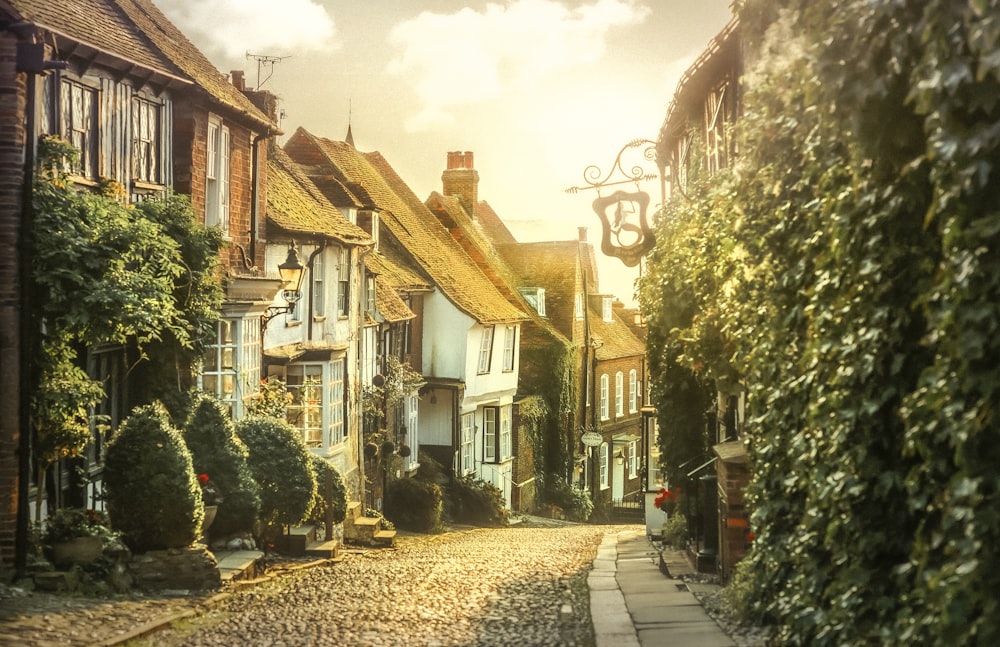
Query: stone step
[323,549]
[386,538]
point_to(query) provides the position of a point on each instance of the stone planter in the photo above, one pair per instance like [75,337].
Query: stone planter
[79,550]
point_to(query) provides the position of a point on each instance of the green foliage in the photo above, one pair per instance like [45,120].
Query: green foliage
[476,502]
[331,493]
[219,453]
[150,488]
[675,530]
[845,272]
[281,464]
[574,502]
[272,400]
[69,523]
[414,504]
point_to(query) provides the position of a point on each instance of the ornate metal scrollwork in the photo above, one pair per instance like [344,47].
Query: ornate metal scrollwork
[626,231]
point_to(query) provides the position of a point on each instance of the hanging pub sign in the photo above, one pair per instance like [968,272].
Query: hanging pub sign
[626,233]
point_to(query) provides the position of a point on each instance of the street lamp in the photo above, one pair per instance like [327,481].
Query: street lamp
[291,280]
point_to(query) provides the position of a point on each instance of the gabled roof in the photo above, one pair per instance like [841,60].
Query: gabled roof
[101,25]
[296,206]
[136,31]
[616,337]
[396,273]
[413,226]
[493,227]
[478,246]
[387,301]
[553,266]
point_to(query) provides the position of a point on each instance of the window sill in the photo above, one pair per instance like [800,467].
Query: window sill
[295,323]
[139,186]
[319,318]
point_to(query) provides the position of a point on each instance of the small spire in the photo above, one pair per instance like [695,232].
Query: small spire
[350,136]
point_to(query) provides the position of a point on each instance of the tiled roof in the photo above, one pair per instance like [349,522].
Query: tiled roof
[479,247]
[172,42]
[101,24]
[616,337]
[395,272]
[415,229]
[296,206]
[387,301]
[494,228]
[553,266]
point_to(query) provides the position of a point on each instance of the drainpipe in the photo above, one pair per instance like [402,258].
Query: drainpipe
[30,62]
[255,192]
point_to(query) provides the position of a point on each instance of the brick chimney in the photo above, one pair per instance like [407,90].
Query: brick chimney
[238,81]
[460,179]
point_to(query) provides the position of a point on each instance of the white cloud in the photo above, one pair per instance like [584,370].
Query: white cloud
[468,57]
[231,28]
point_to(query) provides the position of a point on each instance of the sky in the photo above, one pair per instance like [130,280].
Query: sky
[538,90]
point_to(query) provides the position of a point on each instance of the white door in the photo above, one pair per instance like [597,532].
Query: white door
[618,480]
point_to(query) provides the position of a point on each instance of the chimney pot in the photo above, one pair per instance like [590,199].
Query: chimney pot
[468,160]
[582,234]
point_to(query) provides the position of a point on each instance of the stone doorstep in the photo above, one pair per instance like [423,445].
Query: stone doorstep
[239,564]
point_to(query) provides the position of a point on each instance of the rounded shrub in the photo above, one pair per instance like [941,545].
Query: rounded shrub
[150,488]
[413,504]
[217,452]
[281,465]
[331,493]
[576,503]
[476,502]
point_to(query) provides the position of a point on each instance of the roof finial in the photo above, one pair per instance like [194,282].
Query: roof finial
[350,136]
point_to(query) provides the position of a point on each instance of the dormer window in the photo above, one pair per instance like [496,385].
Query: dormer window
[369,221]
[606,309]
[536,297]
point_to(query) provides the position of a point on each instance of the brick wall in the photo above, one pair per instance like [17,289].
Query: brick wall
[12,137]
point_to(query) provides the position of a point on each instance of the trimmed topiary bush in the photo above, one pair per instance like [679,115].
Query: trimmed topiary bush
[414,504]
[335,497]
[574,502]
[476,502]
[219,453]
[150,488]
[281,464]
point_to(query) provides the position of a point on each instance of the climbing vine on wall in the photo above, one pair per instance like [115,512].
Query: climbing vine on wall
[846,271]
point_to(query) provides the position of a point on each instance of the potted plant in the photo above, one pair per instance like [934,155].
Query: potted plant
[75,536]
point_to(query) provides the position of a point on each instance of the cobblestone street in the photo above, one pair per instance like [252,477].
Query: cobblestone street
[504,586]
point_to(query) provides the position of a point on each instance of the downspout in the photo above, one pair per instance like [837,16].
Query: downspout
[31,62]
[254,193]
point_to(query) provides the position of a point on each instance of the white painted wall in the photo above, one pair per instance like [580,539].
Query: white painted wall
[446,335]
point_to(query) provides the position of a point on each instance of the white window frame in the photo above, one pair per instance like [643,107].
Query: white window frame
[604,397]
[344,283]
[230,367]
[370,288]
[147,120]
[490,415]
[509,345]
[412,420]
[633,459]
[338,402]
[217,174]
[466,458]
[506,436]
[603,457]
[619,394]
[317,282]
[79,109]
[306,410]
[485,350]
[633,391]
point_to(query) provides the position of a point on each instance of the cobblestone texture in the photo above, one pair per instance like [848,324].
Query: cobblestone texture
[505,586]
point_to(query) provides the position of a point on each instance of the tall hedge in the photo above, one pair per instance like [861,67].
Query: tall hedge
[281,465]
[219,453]
[845,272]
[331,491]
[150,488]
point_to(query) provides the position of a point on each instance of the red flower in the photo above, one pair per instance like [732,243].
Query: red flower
[203,479]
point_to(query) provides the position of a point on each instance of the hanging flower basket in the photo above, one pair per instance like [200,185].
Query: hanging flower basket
[388,447]
[371,450]
[404,451]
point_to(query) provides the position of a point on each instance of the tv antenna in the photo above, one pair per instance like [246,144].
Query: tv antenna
[265,61]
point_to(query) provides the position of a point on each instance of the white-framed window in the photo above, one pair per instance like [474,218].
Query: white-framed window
[633,459]
[230,367]
[633,391]
[317,276]
[343,282]
[509,344]
[305,411]
[412,404]
[466,450]
[606,309]
[338,401]
[485,350]
[78,113]
[146,130]
[535,297]
[217,160]
[370,293]
[603,451]
[506,439]
[578,306]
[489,434]
[604,397]
[619,394]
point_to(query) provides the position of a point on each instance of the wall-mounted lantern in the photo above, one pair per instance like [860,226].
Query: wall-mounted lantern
[291,272]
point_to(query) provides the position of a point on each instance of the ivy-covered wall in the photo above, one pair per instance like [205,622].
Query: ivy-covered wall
[845,270]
